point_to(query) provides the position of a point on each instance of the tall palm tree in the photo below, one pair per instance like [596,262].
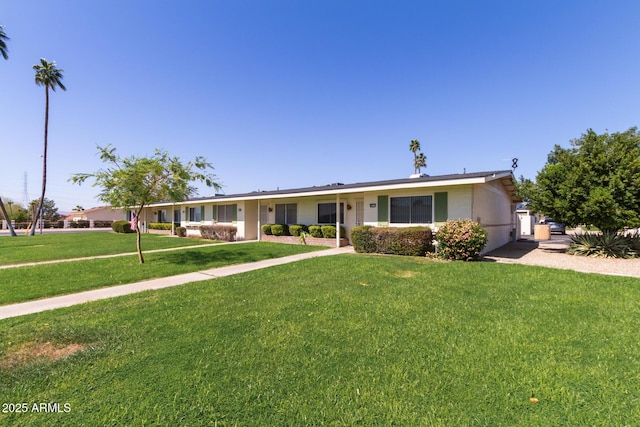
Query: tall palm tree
[414,147]
[419,162]
[50,77]
[3,44]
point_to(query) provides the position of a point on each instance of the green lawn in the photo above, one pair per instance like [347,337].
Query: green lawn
[343,340]
[33,282]
[44,247]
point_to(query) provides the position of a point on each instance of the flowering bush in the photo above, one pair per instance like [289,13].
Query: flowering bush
[461,239]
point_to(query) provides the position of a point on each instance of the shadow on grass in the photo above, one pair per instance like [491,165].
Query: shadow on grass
[194,257]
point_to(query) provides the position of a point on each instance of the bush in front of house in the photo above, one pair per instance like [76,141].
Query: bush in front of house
[160,226]
[410,241]
[266,229]
[225,233]
[181,231]
[461,239]
[280,229]
[329,231]
[121,227]
[315,231]
[297,229]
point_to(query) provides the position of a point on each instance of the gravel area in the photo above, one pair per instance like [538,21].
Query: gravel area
[551,253]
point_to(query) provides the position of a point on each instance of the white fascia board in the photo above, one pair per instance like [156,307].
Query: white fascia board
[339,190]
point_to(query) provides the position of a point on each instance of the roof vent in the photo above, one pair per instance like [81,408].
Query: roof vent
[418,175]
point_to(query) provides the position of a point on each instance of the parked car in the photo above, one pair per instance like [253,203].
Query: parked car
[555,227]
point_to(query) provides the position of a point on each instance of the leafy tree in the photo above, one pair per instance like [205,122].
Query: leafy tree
[135,182]
[49,211]
[596,181]
[50,77]
[419,159]
[3,43]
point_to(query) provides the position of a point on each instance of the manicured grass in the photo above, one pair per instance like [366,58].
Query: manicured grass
[343,340]
[33,282]
[16,250]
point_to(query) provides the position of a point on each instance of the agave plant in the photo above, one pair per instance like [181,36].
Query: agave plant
[609,244]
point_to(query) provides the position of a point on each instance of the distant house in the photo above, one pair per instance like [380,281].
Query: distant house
[101,213]
[486,197]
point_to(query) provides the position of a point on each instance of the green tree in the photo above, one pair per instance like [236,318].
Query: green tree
[49,210]
[3,43]
[135,182]
[50,77]
[596,181]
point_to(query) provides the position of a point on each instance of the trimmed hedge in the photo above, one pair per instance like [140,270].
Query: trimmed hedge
[159,226]
[315,231]
[121,227]
[266,229]
[298,229]
[280,230]
[219,232]
[410,241]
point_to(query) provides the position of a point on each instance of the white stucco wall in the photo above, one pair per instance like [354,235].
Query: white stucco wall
[492,208]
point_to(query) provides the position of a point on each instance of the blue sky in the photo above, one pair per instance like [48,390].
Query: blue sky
[284,94]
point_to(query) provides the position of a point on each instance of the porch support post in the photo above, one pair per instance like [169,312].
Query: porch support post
[259,225]
[173,219]
[337,220]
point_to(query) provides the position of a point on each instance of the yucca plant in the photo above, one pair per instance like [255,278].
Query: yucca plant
[608,244]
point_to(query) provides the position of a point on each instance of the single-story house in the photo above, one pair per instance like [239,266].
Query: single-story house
[486,197]
[101,213]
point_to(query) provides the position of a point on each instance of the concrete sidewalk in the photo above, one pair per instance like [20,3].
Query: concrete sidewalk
[37,306]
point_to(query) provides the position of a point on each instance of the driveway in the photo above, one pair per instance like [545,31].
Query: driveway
[551,253]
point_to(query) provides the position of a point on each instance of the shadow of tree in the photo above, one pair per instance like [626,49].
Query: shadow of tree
[513,250]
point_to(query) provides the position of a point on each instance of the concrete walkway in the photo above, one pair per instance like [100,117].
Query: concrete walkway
[37,306]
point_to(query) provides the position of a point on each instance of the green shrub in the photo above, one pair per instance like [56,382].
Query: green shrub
[83,223]
[315,231]
[266,229]
[297,229]
[121,227]
[181,231]
[461,239]
[410,241]
[328,231]
[225,233]
[362,239]
[608,244]
[159,226]
[280,229]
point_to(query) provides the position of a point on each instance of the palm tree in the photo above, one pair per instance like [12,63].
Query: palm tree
[414,147]
[6,218]
[3,44]
[419,162]
[50,77]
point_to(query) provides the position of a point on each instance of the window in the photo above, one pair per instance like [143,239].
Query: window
[327,213]
[287,213]
[225,213]
[411,210]
[194,214]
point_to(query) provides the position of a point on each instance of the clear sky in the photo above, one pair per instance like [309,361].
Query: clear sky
[285,94]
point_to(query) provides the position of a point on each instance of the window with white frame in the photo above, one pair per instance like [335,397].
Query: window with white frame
[411,210]
[287,213]
[224,213]
[327,213]
[195,214]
